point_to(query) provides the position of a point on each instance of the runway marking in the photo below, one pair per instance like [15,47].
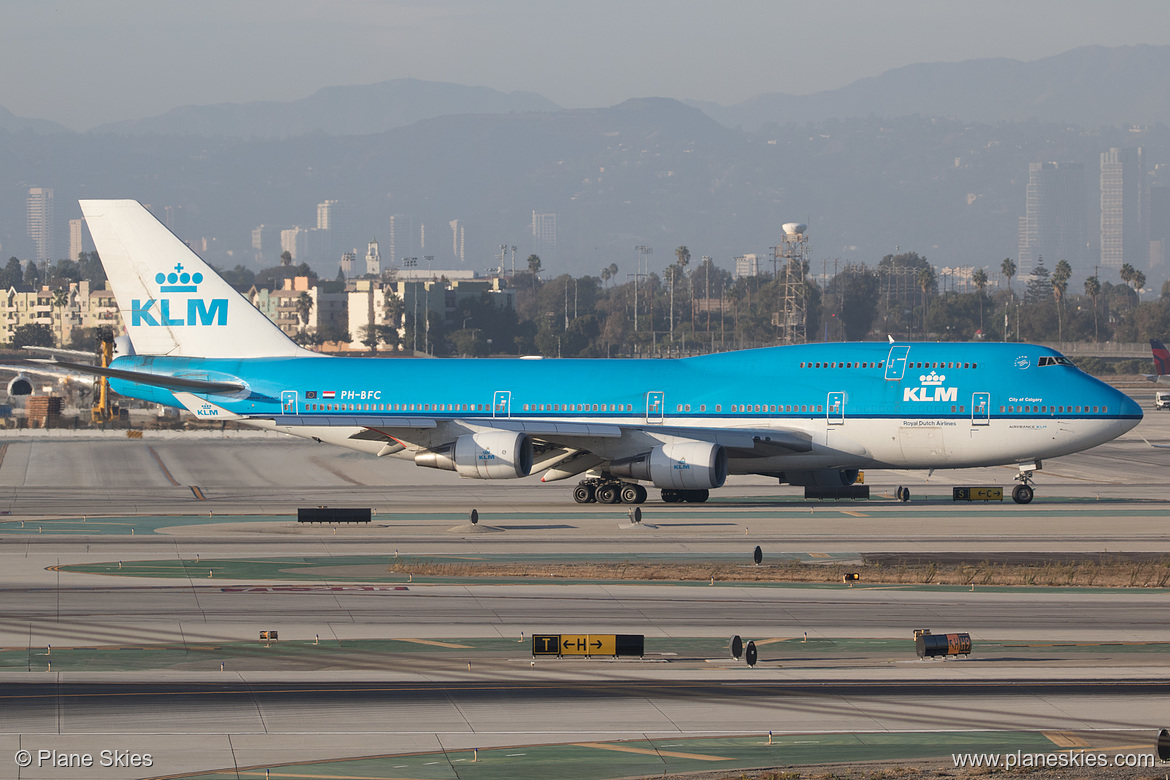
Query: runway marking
[1064,739]
[760,642]
[198,493]
[3,451]
[853,514]
[158,459]
[434,643]
[649,752]
[819,555]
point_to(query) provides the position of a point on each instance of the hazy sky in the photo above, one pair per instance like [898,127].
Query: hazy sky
[84,62]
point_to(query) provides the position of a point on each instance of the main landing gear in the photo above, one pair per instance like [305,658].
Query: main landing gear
[608,491]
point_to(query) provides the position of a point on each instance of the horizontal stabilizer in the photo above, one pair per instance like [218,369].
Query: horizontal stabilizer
[164,381]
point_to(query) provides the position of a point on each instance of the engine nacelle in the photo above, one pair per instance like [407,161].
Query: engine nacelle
[821,478]
[690,465]
[20,385]
[484,455]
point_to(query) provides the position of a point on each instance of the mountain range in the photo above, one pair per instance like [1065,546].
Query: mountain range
[1089,86]
[651,171]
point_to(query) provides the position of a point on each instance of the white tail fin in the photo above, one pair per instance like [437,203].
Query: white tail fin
[172,302]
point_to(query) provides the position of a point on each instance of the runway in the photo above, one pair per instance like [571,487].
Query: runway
[135,660]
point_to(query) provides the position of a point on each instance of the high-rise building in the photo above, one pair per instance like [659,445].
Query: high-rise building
[173,218]
[1055,224]
[295,241]
[1124,209]
[75,243]
[747,266]
[1159,227]
[544,236]
[457,239]
[405,239]
[332,217]
[41,216]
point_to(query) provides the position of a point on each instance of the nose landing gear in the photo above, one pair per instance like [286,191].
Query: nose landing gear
[1024,492]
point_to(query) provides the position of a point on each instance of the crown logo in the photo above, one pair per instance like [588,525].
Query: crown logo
[933,378]
[178,280]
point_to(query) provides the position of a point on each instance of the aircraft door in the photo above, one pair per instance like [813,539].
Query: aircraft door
[655,406]
[896,362]
[835,408]
[502,403]
[288,402]
[981,408]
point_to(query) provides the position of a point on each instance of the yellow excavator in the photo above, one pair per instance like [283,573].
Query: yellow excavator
[103,410]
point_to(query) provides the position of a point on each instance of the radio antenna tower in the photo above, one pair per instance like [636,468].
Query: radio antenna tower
[791,261]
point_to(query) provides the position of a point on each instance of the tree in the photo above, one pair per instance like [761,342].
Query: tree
[1008,269]
[1093,290]
[286,258]
[857,289]
[979,278]
[32,335]
[605,275]
[534,269]
[12,275]
[304,308]
[1060,277]
[32,275]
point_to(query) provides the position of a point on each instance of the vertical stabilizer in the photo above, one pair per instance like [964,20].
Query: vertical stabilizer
[172,302]
[1161,358]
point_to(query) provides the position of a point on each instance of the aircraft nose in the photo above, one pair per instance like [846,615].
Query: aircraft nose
[1130,413]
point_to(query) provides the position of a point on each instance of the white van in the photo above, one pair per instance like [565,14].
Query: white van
[1162,399]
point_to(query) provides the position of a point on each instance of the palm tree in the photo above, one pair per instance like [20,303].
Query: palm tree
[304,308]
[1059,279]
[605,275]
[980,280]
[60,301]
[1008,269]
[534,269]
[1093,290]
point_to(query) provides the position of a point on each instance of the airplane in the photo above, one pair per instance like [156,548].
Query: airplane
[808,414]
[1161,373]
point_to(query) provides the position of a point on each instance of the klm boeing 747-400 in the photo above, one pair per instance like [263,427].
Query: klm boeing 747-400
[812,414]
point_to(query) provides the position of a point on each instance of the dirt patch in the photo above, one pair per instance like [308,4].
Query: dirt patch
[1064,571]
[922,770]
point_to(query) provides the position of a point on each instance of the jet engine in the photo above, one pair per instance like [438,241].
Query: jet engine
[820,478]
[20,385]
[690,465]
[484,455]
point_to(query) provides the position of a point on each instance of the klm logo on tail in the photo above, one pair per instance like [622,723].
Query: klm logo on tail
[170,313]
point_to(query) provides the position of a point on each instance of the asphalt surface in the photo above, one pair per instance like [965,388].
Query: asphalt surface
[231,497]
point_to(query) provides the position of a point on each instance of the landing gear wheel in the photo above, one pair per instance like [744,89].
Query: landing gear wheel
[902,494]
[671,497]
[696,496]
[632,493]
[583,494]
[1022,494]
[607,494]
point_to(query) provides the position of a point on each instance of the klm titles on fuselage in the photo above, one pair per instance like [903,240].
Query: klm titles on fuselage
[198,310]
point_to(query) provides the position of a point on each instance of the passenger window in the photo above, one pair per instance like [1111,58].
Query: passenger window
[719,407]
[962,408]
[1104,410]
[952,408]
[819,409]
[702,407]
[688,407]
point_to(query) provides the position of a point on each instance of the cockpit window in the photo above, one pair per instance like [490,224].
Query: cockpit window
[1055,360]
